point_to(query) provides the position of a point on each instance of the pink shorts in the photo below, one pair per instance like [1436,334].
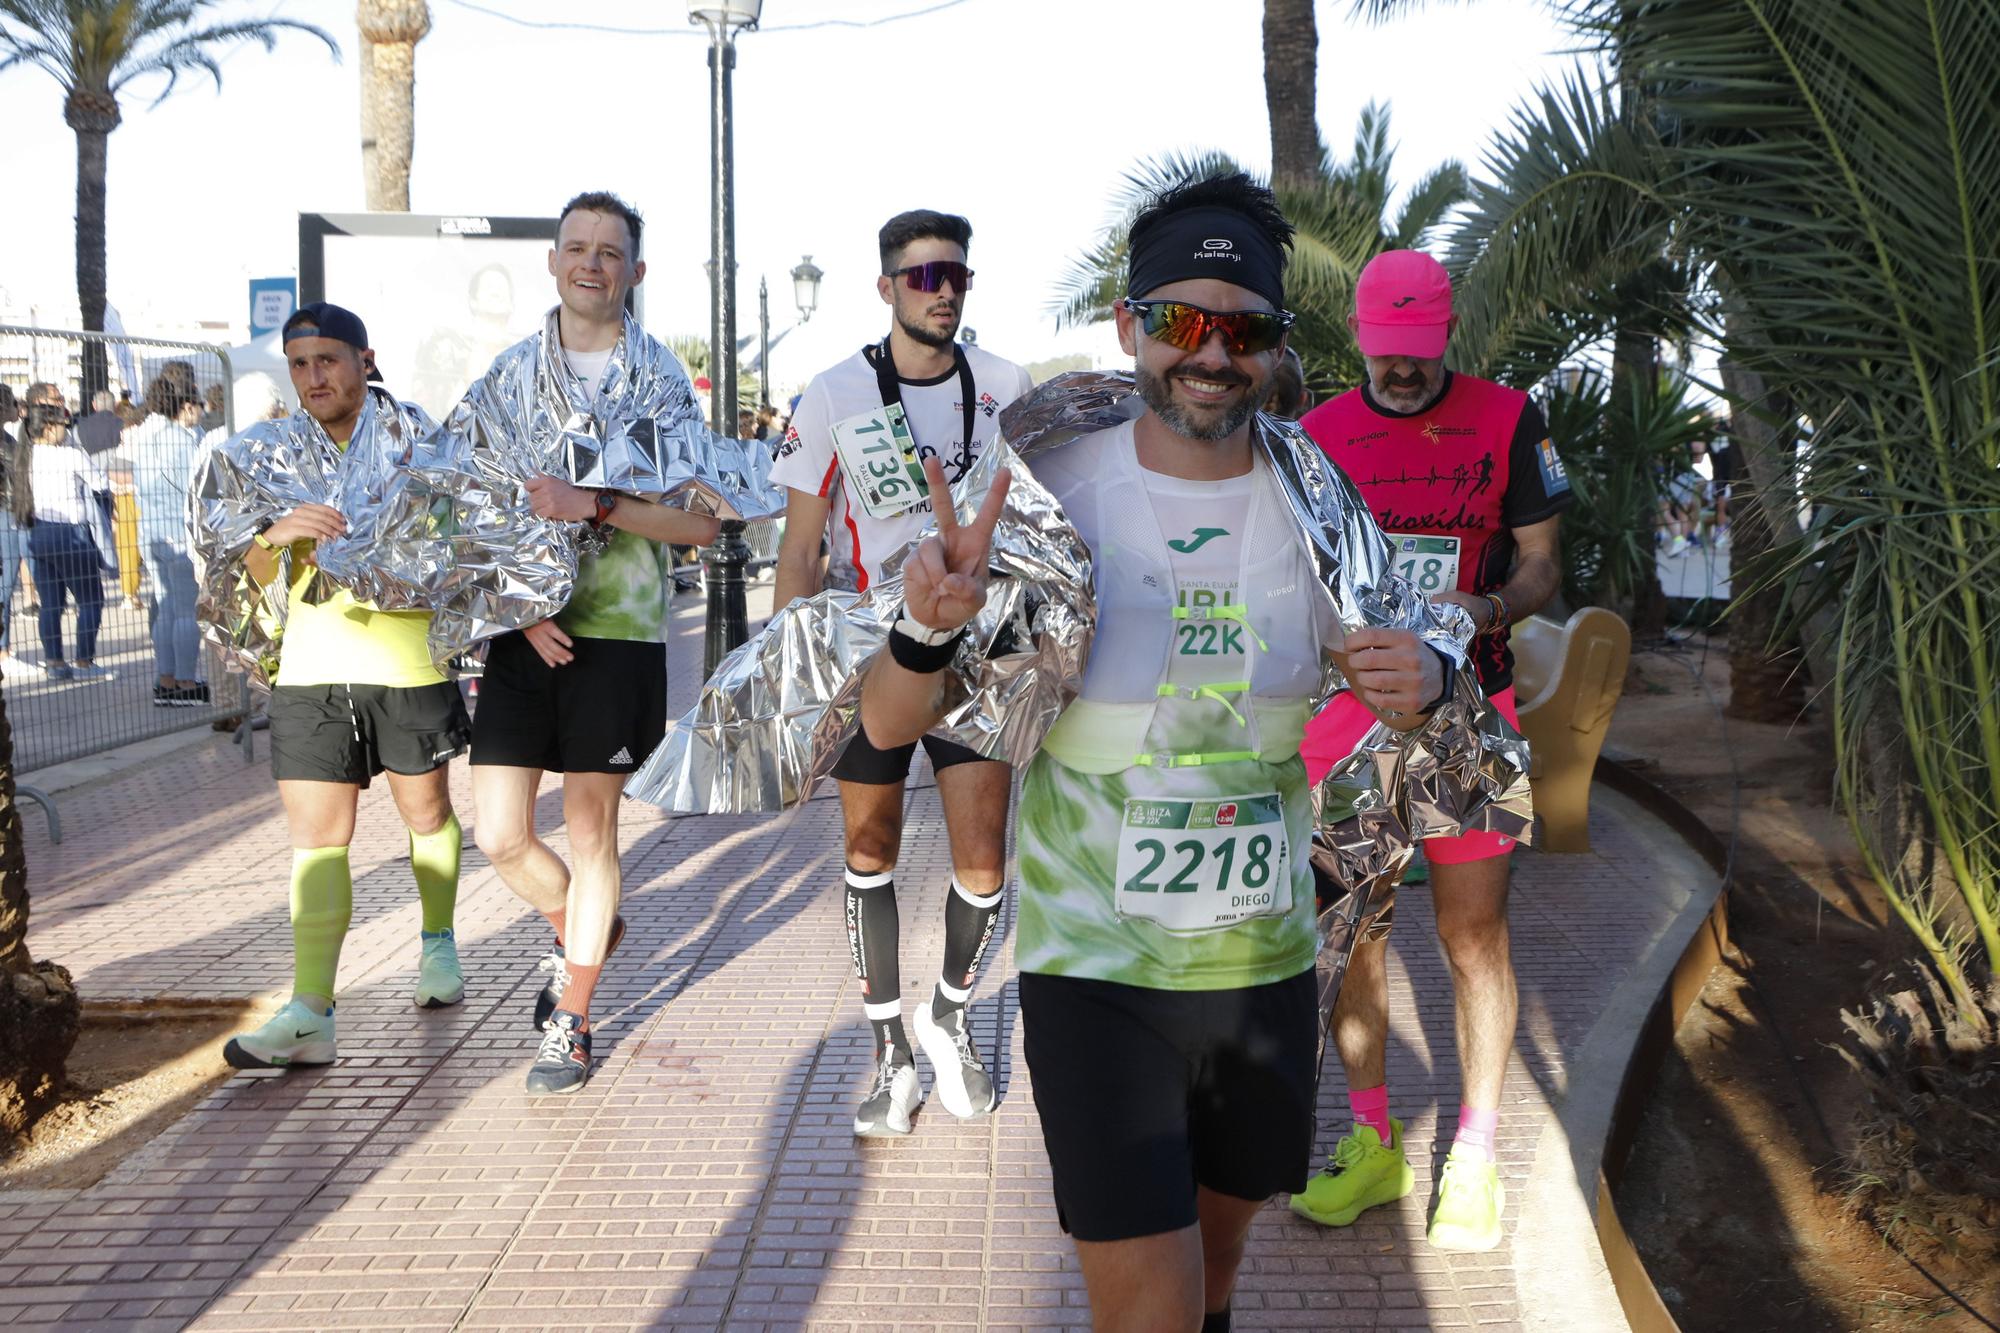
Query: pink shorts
[1332,736]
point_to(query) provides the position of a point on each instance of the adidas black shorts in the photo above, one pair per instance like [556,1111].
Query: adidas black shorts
[862,762]
[1146,1094]
[604,712]
[349,733]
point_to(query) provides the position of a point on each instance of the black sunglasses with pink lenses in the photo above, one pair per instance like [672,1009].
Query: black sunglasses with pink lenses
[933,276]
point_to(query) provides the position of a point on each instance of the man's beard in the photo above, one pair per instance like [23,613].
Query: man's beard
[1404,398]
[929,337]
[1186,421]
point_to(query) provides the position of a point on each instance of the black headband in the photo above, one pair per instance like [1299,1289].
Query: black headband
[1207,243]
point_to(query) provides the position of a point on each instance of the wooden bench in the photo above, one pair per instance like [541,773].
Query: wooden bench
[1567,679]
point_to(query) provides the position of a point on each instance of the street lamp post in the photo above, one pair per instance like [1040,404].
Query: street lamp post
[763,343]
[723,562]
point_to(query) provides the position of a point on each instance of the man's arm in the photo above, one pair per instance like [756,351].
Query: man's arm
[661,523]
[552,497]
[1537,573]
[799,573]
[309,522]
[944,585]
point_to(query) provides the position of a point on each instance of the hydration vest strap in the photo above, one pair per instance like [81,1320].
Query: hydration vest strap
[1193,760]
[1219,692]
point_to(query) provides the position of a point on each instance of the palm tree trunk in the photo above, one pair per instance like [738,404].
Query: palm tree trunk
[1766,676]
[1291,66]
[92,115]
[390,31]
[1635,363]
[39,1011]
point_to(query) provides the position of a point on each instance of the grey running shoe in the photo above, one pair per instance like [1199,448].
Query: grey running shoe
[296,1035]
[92,672]
[563,1062]
[960,1080]
[440,981]
[896,1093]
[557,966]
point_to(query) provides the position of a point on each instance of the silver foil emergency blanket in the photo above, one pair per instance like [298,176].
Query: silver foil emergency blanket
[638,432]
[265,472]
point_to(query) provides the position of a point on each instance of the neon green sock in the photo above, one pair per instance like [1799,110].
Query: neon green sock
[322,906]
[434,861]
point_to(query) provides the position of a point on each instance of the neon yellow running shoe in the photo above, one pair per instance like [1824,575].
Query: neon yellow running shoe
[1470,1200]
[1362,1173]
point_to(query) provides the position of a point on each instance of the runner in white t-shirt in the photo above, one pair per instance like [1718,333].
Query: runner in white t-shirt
[853,460]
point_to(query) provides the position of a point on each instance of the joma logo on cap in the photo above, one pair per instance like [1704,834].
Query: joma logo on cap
[1218,243]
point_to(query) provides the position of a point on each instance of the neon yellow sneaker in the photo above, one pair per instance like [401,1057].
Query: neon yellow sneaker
[1362,1173]
[1470,1200]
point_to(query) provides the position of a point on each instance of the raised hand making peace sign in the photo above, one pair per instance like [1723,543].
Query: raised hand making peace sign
[944,580]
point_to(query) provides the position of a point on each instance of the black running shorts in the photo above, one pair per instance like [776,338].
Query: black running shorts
[1145,1094]
[349,733]
[603,712]
[862,762]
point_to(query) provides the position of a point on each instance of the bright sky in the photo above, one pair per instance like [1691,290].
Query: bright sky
[1020,114]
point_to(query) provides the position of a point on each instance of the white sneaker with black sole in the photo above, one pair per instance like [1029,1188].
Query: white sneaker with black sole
[960,1080]
[886,1111]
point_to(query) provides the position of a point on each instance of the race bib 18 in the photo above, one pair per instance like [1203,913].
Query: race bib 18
[879,457]
[1429,562]
[1195,866]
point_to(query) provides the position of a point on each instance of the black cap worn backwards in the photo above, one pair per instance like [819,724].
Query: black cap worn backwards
[324,319]
[1207,243]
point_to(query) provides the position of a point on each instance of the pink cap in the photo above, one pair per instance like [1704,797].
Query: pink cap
[1403,305]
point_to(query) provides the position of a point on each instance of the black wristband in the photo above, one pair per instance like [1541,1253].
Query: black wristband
[923,658]
[1450,678]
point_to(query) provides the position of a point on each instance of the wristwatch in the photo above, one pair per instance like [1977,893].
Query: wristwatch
[259,537]
[606,502]
[924,634]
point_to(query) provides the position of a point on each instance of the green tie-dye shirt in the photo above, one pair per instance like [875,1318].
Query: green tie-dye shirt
[620,594]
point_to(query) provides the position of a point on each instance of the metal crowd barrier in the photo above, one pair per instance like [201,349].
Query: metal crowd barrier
[68,699]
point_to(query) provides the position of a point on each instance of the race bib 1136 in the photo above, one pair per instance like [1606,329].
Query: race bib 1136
[879,457]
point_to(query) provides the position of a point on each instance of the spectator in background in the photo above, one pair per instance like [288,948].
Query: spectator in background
[17,516]
[163,451]
[125,506]
[64,544]
[98,433]
[1288,396]
[215,403]
[1728,471]
[767,420]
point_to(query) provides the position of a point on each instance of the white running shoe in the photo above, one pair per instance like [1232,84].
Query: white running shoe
[889,1103]
[296,1035]
[440,981]
[960,1080]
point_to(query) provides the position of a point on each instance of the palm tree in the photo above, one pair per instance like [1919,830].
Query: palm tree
[1856,277]
[1343,221]
[39,1012]
[1291,91]
[96,49]
[390,31]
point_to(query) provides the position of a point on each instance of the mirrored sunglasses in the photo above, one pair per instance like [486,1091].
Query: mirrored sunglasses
[1187,327]
[934,275]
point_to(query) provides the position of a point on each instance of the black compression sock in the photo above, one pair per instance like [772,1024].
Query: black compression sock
[872,939]
[1216,1321]
[969,921]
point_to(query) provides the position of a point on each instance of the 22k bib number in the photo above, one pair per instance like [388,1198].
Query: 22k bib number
[1195,866]
[878,455]
[1429,562]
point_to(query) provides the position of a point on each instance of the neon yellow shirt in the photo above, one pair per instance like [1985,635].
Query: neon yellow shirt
[344,642]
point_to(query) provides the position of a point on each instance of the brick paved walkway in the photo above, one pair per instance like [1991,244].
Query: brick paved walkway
[707,1177]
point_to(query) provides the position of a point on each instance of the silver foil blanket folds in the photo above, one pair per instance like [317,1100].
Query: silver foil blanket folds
[265,472]
[638,431]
